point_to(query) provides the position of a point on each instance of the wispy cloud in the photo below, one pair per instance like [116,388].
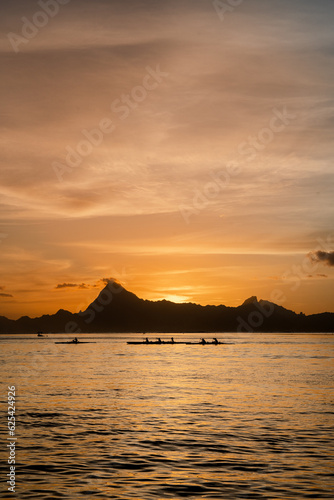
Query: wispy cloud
[82,286]
[106,281]
[3,294]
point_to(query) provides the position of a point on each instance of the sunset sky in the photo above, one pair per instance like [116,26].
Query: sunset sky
[183,147]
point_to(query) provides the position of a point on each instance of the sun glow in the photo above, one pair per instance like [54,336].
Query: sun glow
[178,299]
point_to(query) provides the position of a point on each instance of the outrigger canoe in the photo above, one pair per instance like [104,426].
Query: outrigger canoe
[71,342]
[208,343]
[163,342]
[154,342]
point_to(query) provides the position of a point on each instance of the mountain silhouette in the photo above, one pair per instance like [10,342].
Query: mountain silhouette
[117,310]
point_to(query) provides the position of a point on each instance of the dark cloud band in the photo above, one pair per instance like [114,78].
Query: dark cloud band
[323,257]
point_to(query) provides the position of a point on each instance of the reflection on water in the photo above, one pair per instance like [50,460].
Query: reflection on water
[253,419]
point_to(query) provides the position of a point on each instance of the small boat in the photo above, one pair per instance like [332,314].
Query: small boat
[71,342]
[208,343]
[205,342]
[172,341]
[155,342]
[75,341]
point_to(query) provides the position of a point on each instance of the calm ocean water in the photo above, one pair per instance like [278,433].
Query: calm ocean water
[249,420]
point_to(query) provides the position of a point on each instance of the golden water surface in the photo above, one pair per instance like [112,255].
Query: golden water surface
[251,419]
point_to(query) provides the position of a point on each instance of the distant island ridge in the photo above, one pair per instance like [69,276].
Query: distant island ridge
[116,309]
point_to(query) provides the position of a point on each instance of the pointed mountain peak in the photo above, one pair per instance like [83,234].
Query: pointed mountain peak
[113,285]
[113,293]
[251,300]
